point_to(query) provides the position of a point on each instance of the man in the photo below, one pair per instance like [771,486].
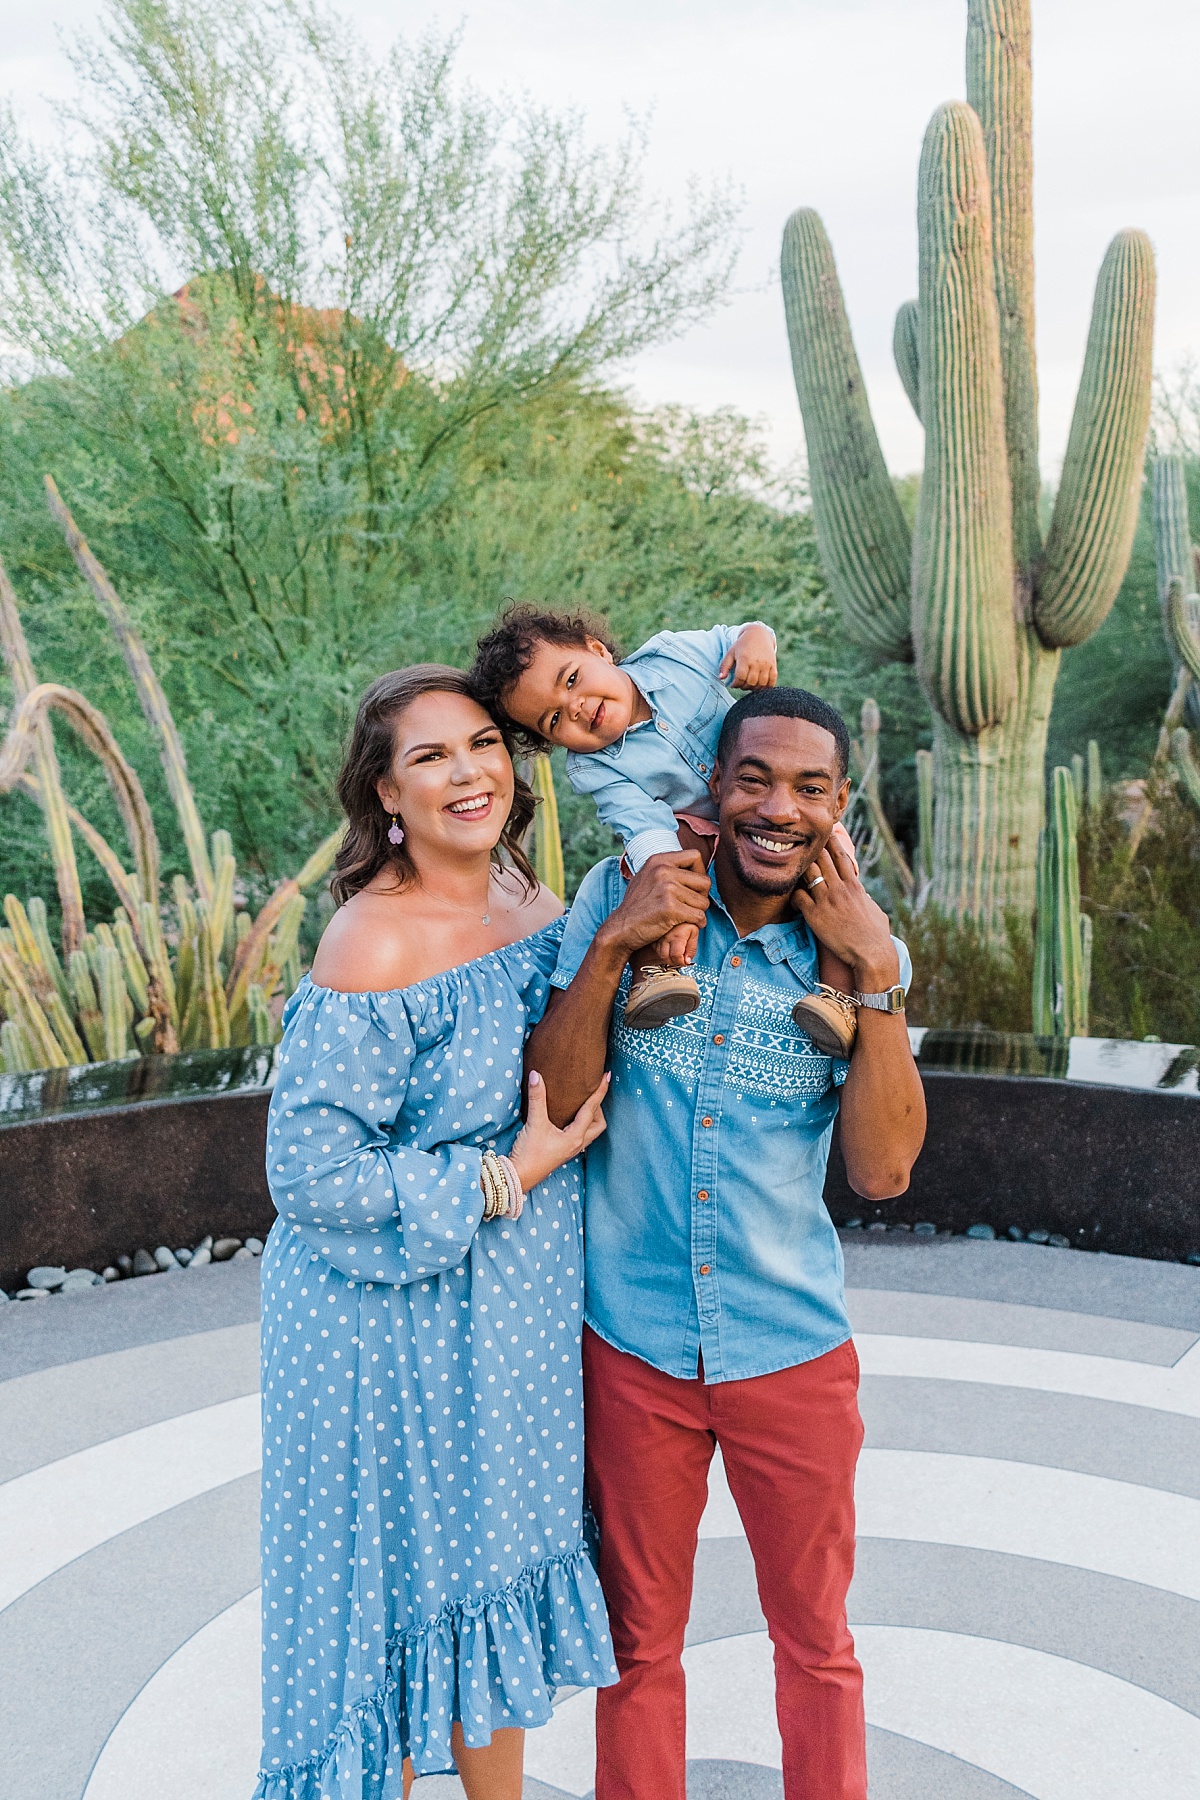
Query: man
[715,1304]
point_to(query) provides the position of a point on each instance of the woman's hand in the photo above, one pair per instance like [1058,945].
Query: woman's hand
[541,1147]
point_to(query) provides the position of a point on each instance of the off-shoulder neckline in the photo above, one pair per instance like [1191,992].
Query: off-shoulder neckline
[426,980]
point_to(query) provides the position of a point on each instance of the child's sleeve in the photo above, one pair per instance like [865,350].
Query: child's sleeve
[703,650]
[645,826]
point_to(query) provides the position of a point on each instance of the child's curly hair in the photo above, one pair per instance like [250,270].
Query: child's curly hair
[504,653]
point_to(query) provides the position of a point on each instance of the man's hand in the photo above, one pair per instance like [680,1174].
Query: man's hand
[751,662]
[842,915]
[667,891]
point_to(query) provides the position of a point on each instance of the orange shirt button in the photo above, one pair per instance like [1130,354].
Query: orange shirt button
[735,962]
[719,1038]
[706,1121]
[704,1269]
[703,1194]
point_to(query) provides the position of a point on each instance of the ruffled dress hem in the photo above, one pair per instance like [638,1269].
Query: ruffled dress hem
[490,1663]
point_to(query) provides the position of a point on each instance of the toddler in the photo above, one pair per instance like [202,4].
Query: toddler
[641,738]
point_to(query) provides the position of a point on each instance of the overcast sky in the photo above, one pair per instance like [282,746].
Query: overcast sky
[823,103]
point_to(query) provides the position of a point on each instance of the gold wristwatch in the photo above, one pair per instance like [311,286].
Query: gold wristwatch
[890,1001]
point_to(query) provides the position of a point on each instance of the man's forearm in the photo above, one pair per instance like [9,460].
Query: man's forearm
[882,1112]
[569,1047]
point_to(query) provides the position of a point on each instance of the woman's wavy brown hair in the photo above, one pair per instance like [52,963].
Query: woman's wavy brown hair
[365,848]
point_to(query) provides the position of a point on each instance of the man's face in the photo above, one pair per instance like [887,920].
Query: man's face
[574,695]
[779,799]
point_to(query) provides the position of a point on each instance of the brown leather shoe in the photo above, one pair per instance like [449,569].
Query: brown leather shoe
[829,1018]
[658,995]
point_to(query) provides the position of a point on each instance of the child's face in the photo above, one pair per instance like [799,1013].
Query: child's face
[575,696]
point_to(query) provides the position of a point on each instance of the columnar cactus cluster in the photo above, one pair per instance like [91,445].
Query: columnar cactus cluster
[973,594]
[121,990]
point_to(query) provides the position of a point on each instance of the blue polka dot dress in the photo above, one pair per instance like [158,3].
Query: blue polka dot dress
[423,1547]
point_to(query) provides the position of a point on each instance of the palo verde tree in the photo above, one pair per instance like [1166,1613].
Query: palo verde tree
[973,593]
[260,296]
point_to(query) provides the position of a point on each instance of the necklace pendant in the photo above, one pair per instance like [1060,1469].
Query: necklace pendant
[487,918]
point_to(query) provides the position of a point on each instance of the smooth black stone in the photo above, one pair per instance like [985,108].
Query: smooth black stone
[144,1263]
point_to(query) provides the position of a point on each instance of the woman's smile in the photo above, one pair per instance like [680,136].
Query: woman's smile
[473,806]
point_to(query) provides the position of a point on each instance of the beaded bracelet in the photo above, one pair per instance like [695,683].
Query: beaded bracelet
[494,1185]
[503,1195]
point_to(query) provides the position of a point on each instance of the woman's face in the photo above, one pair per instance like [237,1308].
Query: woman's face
[451,779]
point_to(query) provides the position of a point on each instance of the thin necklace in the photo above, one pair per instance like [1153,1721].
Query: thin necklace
[458,907]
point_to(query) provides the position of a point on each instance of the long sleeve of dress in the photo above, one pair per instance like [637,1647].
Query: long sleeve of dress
[350,1089]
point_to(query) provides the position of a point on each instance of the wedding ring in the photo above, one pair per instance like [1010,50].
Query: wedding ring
[815,882]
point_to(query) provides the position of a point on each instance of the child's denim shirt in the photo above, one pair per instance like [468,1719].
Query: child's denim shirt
[661,767]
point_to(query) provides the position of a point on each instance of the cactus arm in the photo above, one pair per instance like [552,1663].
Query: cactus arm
[1185,764]
[125,885]
[1095,514]
[252,947]
[90,725]
[149,691]
[548,850]
[1181,635]
[1095,782]
[1172,536]
[906,348]
[113,1001]
[861,531]
[40,927]
[925,815]
[1000,89]
[50,789]
[964,632]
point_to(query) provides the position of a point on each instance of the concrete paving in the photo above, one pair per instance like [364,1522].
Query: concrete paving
[1026,1606]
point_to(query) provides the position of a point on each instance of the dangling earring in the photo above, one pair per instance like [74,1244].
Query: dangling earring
[395,835]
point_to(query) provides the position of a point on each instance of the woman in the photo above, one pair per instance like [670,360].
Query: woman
[426,1584]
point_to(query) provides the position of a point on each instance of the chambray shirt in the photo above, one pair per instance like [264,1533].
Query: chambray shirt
[704,1225]
[661,767]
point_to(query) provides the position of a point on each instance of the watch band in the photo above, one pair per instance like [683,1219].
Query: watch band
[890,1001]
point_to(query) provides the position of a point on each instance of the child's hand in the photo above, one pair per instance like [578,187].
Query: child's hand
[678,948]
[752,659]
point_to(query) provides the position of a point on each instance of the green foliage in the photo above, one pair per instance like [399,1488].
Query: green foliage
[1146,910]
[961,977]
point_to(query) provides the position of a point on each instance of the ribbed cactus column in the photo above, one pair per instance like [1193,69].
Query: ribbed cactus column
[964,634]
[991,610]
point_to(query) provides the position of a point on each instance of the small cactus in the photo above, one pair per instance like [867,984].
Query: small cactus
[1063,932]
[547,836]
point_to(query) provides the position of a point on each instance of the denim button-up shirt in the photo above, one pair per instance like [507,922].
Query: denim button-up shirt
[705,1228]
[661,767]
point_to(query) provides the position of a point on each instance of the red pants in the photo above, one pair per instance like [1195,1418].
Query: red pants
[790,1443]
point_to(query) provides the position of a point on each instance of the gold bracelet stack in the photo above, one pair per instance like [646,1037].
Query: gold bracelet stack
[503,1195]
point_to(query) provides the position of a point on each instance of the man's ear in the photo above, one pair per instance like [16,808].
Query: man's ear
[714,785]
[843,798]
[600,650]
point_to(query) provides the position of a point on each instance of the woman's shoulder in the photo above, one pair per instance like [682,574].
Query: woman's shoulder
[376,943]
[372,944]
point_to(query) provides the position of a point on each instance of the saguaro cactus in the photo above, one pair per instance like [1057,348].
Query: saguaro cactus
[1062,963]
[972,594]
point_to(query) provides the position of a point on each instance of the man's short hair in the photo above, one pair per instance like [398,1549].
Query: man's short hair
[785,703]
[504,653]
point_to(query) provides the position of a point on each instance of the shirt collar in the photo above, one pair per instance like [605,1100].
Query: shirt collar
[787,938]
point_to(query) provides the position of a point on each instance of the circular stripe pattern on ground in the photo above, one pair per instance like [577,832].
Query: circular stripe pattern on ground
[996,1566]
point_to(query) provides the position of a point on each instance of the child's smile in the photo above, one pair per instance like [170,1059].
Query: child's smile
[576,697]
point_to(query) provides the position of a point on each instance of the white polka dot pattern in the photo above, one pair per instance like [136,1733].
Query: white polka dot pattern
[423,1546]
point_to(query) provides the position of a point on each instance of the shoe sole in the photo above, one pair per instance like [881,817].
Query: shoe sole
[662,1007]
[824,1037]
